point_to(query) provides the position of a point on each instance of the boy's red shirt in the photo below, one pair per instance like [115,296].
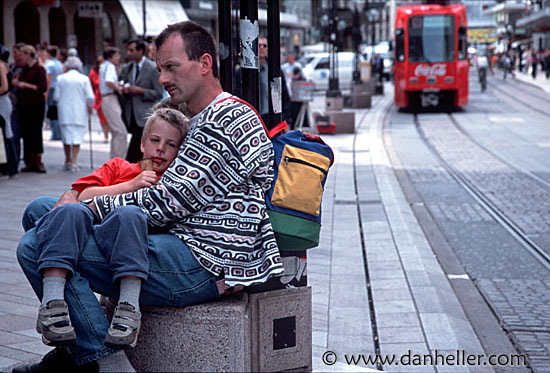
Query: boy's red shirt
[114,171]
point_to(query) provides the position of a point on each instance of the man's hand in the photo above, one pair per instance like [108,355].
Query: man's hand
[70,196]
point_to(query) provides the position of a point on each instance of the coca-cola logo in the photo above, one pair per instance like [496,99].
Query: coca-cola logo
[435,69]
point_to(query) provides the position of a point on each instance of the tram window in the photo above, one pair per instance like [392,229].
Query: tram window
[400,45]
[462,43]
[431,38]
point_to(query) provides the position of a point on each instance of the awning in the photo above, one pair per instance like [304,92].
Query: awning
[505,8]
[158,14]
[538,19]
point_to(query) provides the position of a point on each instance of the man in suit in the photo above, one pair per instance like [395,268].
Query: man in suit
[141,91]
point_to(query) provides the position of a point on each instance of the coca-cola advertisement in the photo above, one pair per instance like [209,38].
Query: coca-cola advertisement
[438,69]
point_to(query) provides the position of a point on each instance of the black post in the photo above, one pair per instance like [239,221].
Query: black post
[225,17]
[356,42]
[274,63]
[250,65]
[333,86]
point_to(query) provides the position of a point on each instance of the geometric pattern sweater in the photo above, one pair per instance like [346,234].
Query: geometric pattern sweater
[212,196]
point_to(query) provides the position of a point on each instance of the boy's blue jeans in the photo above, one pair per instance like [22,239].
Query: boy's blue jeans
[63,233]
[175,279]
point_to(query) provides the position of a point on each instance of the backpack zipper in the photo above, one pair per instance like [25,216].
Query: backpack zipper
[296,160]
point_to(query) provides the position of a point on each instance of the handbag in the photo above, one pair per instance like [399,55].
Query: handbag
[52,112]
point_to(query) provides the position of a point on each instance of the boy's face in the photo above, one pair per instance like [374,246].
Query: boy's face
[161,145]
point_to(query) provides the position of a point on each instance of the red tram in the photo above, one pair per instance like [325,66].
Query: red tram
[431,57]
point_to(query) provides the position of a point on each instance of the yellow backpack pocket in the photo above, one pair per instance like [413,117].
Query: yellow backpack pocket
[299,184]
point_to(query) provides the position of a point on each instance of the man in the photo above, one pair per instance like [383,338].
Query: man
[109,88]
[31,87]
[54,68]
[288,70]
[264,86]
[264,79]
[141,92]
[211,199]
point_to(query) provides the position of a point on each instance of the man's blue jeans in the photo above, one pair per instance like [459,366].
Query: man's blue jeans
[175,279]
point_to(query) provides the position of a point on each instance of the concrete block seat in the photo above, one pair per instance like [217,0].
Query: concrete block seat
[264,331]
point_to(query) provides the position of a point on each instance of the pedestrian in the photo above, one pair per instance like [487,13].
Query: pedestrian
[547,62]
[59,241]
[75,98]
[288,70]
[6,107]
[534,61]
[15,69]
[31,103]
[94,80]
[54,68]
[211,199]
[507,64]
[109,88]
[141,91]
[264,79]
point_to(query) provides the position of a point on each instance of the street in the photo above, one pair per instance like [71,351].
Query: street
[483,175]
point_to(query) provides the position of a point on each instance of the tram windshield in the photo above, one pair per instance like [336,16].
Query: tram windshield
[431,38]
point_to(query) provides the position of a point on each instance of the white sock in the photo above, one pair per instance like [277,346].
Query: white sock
[53,288]
[129,291]
[117,362]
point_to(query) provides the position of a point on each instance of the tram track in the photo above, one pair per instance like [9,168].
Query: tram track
[483,199]
[519,99]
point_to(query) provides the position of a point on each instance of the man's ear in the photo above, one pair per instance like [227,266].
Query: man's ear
[206,63]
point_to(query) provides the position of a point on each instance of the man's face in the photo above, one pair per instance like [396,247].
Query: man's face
[161,145]
[134,54]
[179,76]
[17,57]
[290,58]
[262,48]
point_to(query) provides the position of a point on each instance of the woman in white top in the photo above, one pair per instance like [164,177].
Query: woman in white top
[75,98]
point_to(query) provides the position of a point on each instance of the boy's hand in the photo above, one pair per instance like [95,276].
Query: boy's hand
[144,180]
[70,196]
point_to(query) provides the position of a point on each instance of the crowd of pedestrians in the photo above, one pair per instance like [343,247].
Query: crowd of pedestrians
[44,88]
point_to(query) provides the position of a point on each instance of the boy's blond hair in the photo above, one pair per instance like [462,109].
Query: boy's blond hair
[173,117]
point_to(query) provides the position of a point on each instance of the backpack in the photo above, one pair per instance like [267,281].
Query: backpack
[294,200]
[301,165]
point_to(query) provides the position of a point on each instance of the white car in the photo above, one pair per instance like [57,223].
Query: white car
[317,69]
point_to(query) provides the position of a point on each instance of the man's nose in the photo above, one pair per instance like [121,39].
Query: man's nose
[163,79]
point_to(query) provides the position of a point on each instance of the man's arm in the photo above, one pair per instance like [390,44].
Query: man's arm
[70,196]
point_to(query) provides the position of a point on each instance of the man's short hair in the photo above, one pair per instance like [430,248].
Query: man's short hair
[109,52]
[140,44]
[52,50]
[197,39]
[18,46]
[173,117]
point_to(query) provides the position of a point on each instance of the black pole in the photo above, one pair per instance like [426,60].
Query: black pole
[333,84]
[356,42]
[274,63]
[250,65]
[225,17]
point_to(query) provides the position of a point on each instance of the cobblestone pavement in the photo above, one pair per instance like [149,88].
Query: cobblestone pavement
[521,198]
[523,306]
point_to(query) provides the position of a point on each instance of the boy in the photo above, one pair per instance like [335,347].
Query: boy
[63,232]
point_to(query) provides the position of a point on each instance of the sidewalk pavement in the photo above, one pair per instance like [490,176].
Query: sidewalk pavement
[365,213]
[540,81]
